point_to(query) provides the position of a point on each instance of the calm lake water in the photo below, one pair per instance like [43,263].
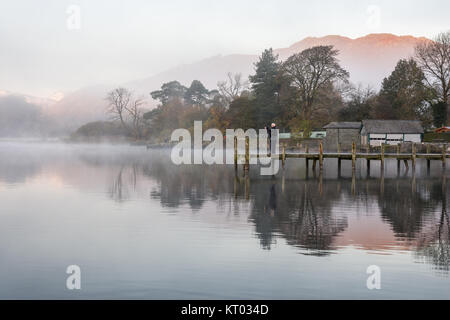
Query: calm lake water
[140,227]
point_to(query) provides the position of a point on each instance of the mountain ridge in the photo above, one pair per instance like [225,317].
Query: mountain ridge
[368,59]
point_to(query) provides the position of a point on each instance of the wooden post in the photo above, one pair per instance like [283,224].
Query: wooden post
[320,156]
[382,156]
[353,155]
[283,157]
[235,155]
[428,160]
[247,156]
[339,159]
[398,159]
[306,158]
[413,155]
[368,167]
[444,152]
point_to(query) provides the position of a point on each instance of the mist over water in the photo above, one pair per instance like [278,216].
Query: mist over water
[140,227]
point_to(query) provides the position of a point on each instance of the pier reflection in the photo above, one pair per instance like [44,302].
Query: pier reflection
[317,213]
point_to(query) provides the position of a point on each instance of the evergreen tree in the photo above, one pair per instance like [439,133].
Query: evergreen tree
[266,87]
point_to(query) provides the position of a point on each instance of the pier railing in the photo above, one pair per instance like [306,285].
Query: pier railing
[364,152]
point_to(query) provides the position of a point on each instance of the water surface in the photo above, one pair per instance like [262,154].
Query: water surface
[140,227]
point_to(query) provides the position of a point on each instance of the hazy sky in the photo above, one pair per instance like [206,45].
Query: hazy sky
[44,49]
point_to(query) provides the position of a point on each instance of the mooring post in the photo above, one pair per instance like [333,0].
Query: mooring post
[235,155]
[444,152]
[428,159]
[306,158]
[413,155]
[382,156]
[398,159]
[247,156]
[353,155]
[368,167]
[283,157]
[320,156]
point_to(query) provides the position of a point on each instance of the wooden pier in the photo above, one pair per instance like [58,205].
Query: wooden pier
[352,156]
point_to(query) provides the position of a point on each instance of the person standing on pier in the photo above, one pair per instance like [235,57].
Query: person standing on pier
[272,129]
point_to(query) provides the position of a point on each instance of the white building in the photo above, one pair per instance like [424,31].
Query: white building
[376,132]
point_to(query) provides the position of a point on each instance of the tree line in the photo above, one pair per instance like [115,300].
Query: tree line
[304,92]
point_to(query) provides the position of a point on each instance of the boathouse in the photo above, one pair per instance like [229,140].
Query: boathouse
[392,132]
[343,133]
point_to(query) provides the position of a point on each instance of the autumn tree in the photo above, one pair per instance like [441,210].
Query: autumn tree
[434,59]
[309,72]
[242,113]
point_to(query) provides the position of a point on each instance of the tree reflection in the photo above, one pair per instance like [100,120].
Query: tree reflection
[300,215]
[124,182]
[307,214]
[434,243]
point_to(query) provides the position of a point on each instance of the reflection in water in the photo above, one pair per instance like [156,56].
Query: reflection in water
[318,216]
[302,216]
[434,242]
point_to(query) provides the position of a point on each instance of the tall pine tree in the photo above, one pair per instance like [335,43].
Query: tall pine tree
[266,87]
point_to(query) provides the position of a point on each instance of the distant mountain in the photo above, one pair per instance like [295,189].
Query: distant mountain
[368,59]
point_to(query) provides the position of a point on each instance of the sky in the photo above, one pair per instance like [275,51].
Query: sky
[50,46]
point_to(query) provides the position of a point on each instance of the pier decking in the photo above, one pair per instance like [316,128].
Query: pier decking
[320,156]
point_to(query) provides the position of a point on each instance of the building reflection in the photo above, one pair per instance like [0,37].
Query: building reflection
[317,216]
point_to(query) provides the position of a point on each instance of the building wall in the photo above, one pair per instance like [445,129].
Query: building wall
[343,136]
[413,137]
[391,139]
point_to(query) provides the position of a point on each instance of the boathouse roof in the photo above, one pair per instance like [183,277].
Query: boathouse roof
[392,126]
[343,125]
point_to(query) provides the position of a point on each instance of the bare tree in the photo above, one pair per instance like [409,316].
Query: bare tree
[434,59]
[232,88]
[311,71]
[118,101]
[124,108]
[135,112]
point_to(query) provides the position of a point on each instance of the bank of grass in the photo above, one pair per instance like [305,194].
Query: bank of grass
[433,137]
